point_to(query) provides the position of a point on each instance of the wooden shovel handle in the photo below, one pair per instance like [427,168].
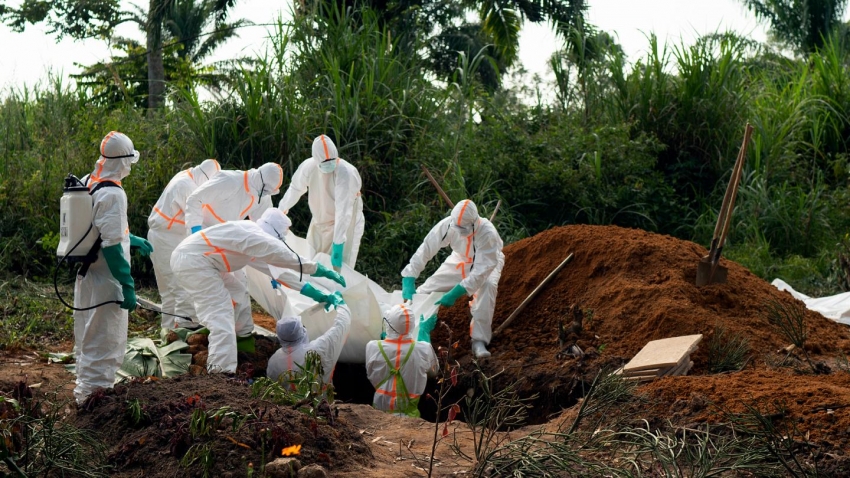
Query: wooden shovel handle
[748,133]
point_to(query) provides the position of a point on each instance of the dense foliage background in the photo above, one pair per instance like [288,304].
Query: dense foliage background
[645,143]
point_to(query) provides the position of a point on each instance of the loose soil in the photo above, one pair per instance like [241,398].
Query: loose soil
[634,287]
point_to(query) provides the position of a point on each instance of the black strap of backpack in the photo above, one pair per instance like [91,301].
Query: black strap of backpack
[95,248]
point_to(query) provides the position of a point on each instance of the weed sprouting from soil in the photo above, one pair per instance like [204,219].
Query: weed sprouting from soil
[727,351]
[447,377]
[35,440]
[791,321]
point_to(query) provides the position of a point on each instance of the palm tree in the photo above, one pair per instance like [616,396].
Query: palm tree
[802,24]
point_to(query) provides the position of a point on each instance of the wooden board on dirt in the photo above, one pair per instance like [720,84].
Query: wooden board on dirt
[662,354]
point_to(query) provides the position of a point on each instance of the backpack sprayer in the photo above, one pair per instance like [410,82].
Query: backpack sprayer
[79,242]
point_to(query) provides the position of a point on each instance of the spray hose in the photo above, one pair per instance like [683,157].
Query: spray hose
[61,299]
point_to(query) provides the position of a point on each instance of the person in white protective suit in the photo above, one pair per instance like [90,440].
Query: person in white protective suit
[232,196]
[398,366]
[294,345]
[473,268]
[335,203]
[100,334]
[166,228]
[205,263]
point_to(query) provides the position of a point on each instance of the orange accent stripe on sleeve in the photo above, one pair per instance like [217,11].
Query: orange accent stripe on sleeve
[212,211]
[245,176]
[171,220]
[189,172]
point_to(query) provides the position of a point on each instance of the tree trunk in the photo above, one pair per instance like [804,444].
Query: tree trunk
[156,68]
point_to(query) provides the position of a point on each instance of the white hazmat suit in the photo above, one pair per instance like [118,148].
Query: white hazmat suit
[232,196]
[294,345]
[337,225]
[205,264]
[100,334]
[475,264]
[166,229]
[398,366]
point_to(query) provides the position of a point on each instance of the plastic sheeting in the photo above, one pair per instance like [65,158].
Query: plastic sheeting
[835,307]
[366,299]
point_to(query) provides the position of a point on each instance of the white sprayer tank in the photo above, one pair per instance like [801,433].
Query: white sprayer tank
[75,221]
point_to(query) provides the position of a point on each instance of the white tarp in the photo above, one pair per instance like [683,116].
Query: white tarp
[366,299]
[835,307]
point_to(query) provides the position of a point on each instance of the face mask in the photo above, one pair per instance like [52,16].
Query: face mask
[464,231]
[327,166]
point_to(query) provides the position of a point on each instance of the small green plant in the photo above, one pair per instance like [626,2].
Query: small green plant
[304,389]
[202,454]
[727,351]
[36,440]
[135,412]
[790,319]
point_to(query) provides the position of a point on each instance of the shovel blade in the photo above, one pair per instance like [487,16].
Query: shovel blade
[704,274]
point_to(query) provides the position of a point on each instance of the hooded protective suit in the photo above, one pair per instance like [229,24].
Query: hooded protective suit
[231,196]
[334,200]
[294,344]
[205,264]
[475,263]
[100,334]
[234,195]
[166,228]
[398,366]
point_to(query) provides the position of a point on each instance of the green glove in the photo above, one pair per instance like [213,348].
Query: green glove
[145,247]
[319,296]
[425,328]
[322,271]
[452,296]
[336,255]
[408,287]
[120,269]
[334,300]
[246,344]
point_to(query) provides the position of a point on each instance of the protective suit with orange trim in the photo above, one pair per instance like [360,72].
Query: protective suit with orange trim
[294,345]
[398,366]
[473,268]
[166,229]
[100,334]
[233,195]
[206,264]
[337,225]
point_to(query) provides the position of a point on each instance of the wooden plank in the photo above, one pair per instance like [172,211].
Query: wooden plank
[663,353]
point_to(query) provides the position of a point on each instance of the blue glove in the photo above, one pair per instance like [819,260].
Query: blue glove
[426,326]
[120,269]
[275,285]
[195,229]
[322,271]
[408,287]
[383,335]
[336,255]
[452,296]
[145,247]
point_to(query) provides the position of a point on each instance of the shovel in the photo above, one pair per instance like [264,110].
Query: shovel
[709,269]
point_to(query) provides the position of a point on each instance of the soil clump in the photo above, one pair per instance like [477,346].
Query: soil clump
[176,427]
[633,287]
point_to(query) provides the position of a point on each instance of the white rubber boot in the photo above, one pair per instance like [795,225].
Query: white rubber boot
[479,349]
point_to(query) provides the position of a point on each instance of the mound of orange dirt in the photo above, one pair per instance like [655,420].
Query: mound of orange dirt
[634,286]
